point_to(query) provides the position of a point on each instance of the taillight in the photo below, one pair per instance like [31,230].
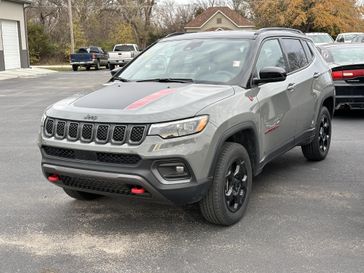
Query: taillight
[337,75]
[347,74]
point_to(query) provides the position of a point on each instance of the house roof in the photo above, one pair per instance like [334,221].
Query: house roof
[235,17]
[20,1]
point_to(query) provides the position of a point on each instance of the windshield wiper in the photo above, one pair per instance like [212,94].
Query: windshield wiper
[121,79]
[182,80]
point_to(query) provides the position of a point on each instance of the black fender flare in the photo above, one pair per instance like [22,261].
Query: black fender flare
[247,125]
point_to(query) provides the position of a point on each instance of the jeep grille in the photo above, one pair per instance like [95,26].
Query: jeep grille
[116,134]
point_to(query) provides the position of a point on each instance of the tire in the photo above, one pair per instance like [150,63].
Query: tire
[80,195]
[97,65]
[88,68]
[111,66]
[319,147]
[75,67]
[215,206]
[107,66]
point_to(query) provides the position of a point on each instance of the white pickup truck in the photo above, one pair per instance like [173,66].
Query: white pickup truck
[122,54]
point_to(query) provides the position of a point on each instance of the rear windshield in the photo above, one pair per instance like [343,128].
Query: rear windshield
[124,48]
[82,50]
[344,55]
[201,60]
[321,39]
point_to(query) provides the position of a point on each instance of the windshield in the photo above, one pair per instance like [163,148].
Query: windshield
[349,37]
[124,48]
[344,55]
[200,60]
[321,39]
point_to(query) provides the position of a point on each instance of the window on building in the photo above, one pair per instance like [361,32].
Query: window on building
[218,20]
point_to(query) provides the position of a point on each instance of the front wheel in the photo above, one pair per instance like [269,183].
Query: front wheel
[319,147]
[226,201]
[81,195]
[74,67]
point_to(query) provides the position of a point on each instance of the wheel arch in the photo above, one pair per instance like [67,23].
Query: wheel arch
[245,134]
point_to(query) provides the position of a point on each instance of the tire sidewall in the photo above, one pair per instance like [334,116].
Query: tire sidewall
[324,112]
[236,152]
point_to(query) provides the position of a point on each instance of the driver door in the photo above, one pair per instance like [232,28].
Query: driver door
[277,118]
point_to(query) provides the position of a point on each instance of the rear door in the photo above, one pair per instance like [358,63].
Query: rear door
[300,80]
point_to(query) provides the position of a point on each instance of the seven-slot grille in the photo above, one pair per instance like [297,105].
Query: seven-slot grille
[98,132]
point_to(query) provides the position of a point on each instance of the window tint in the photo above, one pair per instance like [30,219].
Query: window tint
[124,48]
[308,51]
[270,55]
[295,53]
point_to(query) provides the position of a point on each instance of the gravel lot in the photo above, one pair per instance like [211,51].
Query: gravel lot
[302,216]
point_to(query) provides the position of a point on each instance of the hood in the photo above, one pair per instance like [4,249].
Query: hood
[141,102]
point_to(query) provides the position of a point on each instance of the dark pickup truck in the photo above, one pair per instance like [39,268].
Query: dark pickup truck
[87,57]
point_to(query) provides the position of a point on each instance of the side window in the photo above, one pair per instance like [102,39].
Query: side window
[270,55]
[94,50]
[295,53]
[308,51]
[340,38]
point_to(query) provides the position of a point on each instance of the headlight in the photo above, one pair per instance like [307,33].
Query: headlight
[44,116]
[179,128]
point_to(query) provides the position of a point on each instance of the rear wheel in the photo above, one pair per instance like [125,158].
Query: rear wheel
[226,201]
[88,68]
[111,66]
[80,195]
[319,147]
[74,67]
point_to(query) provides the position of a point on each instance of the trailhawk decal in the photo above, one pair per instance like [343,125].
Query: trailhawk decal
[149,99]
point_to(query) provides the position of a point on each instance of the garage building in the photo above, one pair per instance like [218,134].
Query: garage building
[13,35]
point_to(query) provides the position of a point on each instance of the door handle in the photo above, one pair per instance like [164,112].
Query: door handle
[316,75]
[291,87]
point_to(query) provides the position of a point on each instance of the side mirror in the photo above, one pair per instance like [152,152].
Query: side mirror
[115,70]
[271,74]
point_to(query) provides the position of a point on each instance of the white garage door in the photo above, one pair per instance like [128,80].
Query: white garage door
[11,44]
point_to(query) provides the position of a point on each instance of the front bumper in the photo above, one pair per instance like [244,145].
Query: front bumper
[113,178]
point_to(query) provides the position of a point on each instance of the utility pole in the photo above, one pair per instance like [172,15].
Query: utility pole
[71,26]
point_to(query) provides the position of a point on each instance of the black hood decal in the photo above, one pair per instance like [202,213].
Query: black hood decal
[120,96]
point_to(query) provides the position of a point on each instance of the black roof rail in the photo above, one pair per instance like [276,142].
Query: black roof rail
[262,30]
[174,34]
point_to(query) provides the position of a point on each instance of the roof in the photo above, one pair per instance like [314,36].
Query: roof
[235,17]
[236,34]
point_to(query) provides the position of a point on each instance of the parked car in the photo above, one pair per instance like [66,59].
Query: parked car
[89,57]
[320,38]
[346,37]
[347,64]
[122,54]
[192,119]
[358,38]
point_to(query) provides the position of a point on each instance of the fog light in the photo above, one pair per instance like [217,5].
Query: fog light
[173,171]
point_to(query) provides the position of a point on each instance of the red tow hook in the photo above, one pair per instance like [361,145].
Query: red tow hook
[53,178]
[137,191]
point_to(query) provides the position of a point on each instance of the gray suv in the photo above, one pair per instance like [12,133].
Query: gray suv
[192,120]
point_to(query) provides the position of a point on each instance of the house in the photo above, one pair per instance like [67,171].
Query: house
[219,18]
[13,35]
